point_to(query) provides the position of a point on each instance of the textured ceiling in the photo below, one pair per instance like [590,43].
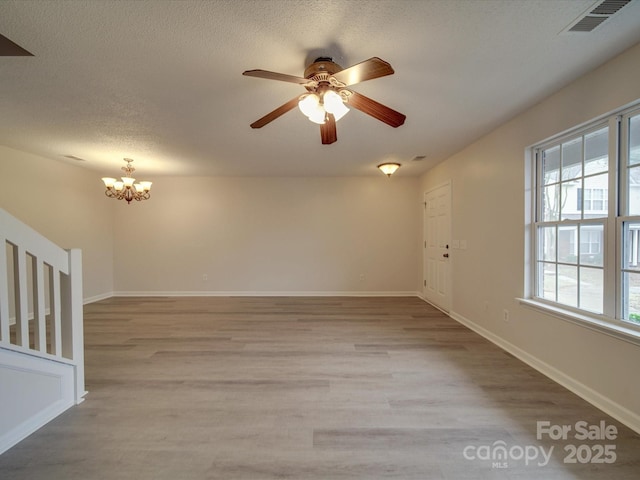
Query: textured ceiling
[161,81]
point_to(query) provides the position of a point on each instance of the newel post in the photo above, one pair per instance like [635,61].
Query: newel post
[72,319]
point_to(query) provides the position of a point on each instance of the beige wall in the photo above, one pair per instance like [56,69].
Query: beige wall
[261,235]
[65,204]
[488,183]
[248,235]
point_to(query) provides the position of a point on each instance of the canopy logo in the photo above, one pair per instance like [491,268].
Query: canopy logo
[596,446]
[499,454]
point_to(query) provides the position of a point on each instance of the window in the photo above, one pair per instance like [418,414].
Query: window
[574,174]
[587,220]
[630,220]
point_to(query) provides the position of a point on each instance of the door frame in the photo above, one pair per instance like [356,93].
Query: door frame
[446,308]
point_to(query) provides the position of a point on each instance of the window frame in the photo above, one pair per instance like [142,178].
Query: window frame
[623,209]
[611,321]
[538,221]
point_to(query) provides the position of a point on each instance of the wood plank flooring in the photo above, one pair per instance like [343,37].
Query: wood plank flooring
[305,388]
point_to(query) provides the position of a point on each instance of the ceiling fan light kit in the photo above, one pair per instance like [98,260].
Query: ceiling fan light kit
[334,104]
[327,97]
[309,104]
[316,107]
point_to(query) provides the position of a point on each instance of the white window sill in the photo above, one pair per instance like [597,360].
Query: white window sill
[613,328]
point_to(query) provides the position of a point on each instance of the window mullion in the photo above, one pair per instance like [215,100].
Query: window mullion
[538,186]
[612,241]
[536,206]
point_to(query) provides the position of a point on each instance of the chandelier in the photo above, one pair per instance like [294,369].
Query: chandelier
[127,189]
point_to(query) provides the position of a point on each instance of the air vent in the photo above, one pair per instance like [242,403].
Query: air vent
[587,24]
[609,7]
[595,15]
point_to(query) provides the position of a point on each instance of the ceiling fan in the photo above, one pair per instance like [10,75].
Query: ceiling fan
[327,97]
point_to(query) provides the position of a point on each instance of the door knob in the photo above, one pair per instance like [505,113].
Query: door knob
[445,255]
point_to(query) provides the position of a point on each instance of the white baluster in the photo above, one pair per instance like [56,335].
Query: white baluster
[55,309]
[4,292]
[39,329]
[22,304]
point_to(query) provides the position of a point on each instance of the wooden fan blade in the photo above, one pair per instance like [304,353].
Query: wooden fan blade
[367,70]
[275,76]
[376,110]
[12,49]
[328,130]
[271,116]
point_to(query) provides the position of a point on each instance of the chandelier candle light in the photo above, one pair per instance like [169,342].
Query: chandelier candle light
[127,189]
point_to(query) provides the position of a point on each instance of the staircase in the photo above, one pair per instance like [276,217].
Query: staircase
[41,330]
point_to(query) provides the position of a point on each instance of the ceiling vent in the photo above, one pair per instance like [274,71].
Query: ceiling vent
[595,15]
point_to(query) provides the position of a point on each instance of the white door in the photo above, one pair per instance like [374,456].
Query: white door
[437,240]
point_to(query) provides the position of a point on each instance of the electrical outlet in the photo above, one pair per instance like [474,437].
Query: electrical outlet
[362,277]
[205,277]
[505,315]
[486,306]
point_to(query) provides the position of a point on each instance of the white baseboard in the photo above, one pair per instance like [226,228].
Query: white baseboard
[30,316]
[97,298]
[265,294]
[85,301]
[424,299]
[608,406]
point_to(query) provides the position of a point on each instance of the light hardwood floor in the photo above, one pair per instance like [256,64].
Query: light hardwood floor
[303,388]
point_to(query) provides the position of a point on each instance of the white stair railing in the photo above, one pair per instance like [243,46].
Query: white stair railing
[41,298]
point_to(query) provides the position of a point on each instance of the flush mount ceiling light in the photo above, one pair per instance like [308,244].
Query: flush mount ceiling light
[327,97]
[389,168]
[127,189]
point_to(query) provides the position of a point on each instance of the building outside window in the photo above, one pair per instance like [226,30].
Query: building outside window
[595,199]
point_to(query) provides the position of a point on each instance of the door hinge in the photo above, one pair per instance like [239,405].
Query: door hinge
[425,283]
